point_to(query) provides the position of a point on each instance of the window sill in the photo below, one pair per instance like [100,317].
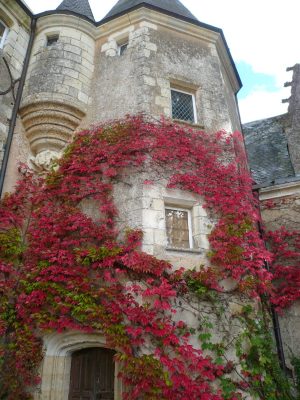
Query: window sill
[183,250]
[191,124]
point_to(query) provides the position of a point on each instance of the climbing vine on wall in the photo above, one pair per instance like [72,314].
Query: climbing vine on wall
[61,269]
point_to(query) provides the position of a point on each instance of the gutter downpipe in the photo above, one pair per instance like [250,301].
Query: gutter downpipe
[278,339]
[275,319]
[17,106]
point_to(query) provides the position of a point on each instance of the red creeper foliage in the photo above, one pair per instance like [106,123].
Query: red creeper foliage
[60,269]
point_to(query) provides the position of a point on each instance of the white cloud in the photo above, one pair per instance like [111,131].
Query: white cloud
[261,104]
[38,6]
[261,33]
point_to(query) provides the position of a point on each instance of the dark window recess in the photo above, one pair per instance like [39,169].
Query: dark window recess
[52,40]
[2,30]
[182,106]
[122,48]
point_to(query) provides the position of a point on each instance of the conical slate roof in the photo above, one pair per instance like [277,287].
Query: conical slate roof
[81,7]
[171,6]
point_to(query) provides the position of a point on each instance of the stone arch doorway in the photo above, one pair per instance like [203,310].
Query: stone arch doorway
[92,374]
[56,368]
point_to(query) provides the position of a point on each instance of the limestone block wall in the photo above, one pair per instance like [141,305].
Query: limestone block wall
[142,206]
[155,200]
[192,65]
[293,133]
[78,76]
[14,51]
[57,91]
[285,212]
[231,102]
[157,59]
[118,87]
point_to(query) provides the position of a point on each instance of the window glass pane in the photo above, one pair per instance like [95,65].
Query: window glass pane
[177,226]
[182,106]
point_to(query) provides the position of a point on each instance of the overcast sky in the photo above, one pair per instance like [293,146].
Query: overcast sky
[262,36]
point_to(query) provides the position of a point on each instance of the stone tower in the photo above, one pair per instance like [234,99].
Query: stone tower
[15,27]
[57,88]
[80,72]
[151,57]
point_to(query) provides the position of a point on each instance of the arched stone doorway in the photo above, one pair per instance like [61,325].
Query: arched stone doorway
[92,374]
[56,367]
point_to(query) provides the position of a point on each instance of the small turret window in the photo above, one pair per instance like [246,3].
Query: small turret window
[183,106]
[3,33]
[52,39]
[122,48]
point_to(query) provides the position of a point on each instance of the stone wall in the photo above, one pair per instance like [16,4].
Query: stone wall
[142,206]
[14,51]
[57,90]
[157,59]
[81,78]
[63,70]
[293,133]
[285,211]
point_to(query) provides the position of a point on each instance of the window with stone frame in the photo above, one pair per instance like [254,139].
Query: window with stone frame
[183,105]
[122,48]
[178,228]
[3,33]
[52,39]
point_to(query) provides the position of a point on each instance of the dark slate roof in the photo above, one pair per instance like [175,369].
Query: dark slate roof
[81,7]
[267,149]
[172,6]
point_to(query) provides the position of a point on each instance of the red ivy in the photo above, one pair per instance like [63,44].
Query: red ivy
[62,270]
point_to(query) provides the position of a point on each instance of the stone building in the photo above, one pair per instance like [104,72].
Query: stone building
[273,148]
[15,22]
[61,71]
[79,72]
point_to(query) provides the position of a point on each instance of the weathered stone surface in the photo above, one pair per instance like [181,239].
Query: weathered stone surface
[293,134]
[285,211]
[50,125]
[57,91]
[14,51]
[156,60]
[82,79]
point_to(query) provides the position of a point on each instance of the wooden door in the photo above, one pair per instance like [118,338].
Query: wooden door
[92,375]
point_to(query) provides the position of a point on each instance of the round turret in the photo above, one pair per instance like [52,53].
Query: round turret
[56,94]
